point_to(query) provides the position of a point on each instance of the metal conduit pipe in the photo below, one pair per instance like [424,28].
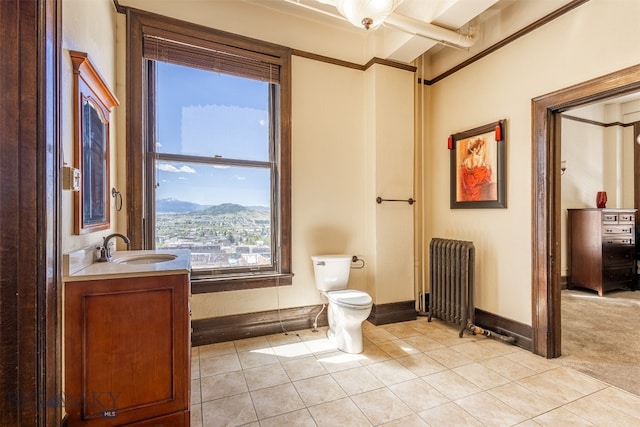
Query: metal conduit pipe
[430,31]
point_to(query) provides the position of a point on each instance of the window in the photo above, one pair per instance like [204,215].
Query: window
[213,166]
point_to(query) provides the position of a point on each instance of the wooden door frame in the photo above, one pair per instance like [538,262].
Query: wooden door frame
[545,194]
[30,360]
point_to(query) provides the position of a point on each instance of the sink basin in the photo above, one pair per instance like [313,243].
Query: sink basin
[81,265]
[144,258]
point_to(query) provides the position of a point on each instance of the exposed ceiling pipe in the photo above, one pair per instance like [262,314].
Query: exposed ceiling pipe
[411,26]
[430,31]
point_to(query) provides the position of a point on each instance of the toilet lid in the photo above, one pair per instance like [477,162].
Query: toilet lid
[350,298]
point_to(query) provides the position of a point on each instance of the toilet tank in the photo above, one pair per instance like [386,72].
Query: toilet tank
[331,271]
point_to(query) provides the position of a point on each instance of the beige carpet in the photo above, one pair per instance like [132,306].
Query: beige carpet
[601,336]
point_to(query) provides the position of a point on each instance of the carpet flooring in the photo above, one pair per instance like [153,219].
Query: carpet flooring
[601,336]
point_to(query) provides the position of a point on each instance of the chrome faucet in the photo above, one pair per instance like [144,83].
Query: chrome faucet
[105,250]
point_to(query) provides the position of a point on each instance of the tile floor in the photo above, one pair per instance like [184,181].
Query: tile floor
[415,373]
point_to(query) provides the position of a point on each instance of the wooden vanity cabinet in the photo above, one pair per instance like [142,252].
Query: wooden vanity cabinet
[602,254]
[128,351]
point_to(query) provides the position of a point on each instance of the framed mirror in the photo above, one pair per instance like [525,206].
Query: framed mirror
[93,102]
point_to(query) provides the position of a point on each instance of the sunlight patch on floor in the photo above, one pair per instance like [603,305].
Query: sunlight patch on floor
[342,358]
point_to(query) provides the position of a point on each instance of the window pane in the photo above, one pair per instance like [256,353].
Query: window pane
[204,113]
[223,214]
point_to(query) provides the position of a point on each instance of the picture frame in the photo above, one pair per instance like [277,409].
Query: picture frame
[93,102]
[477,167]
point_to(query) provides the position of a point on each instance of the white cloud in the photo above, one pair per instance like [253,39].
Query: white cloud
[170,168]
[240,178]
[167,168]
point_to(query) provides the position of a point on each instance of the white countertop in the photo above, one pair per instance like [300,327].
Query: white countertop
[114,269]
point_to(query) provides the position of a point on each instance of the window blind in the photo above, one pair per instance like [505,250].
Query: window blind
[212,56]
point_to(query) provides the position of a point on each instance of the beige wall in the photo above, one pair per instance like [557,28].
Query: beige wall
[597,38]
[630,113]
[82,31]
[352,137]
[391,142]
[583,147]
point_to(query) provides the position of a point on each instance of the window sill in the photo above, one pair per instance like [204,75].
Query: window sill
[206,285]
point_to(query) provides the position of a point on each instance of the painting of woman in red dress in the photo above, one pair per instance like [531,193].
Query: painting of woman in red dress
[476,180]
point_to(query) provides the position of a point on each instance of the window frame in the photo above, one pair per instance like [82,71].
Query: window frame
[139,194]
[152,155]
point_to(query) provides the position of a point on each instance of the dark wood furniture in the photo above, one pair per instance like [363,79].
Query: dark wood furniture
[128,351]
[602,253]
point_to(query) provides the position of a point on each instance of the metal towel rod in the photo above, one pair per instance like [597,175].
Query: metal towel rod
[409,200]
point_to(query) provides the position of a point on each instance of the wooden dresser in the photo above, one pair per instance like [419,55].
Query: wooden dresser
[602,254]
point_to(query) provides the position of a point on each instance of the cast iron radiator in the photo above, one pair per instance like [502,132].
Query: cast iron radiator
[451,264]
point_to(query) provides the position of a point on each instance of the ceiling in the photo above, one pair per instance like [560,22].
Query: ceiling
[408,34]
[482,22]
[430,26]
[413,28]
[448,31]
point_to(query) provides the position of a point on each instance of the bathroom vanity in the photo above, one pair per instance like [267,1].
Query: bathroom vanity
[127,337]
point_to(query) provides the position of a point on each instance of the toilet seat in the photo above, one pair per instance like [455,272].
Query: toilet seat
[350,298]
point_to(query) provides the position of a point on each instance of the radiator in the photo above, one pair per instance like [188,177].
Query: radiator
[451,264]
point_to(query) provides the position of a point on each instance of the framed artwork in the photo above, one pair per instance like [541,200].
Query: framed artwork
[477,167]
[92,106]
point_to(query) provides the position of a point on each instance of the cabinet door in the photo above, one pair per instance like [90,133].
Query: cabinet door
[127,349]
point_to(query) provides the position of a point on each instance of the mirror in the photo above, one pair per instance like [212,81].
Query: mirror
[94,164]
[93,102]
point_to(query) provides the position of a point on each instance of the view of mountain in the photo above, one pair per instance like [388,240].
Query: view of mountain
[225,208]
[220,236]
[178,206]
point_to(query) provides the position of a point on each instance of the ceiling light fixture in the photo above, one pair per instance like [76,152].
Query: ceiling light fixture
[366,13]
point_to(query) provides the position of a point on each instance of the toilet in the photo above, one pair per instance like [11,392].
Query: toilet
[348,308]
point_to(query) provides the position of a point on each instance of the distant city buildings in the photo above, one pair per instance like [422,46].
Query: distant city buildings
[238,238]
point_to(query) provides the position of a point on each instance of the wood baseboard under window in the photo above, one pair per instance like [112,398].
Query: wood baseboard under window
[239,326]
[205,285]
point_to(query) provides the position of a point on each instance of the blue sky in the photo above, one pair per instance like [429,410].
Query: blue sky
[205,113]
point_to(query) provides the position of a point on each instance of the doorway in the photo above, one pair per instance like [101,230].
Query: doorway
[546,259]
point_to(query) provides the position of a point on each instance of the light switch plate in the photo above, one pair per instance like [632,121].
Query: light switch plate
[70,178]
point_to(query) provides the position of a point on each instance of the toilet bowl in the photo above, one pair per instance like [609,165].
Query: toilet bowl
[348,308]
